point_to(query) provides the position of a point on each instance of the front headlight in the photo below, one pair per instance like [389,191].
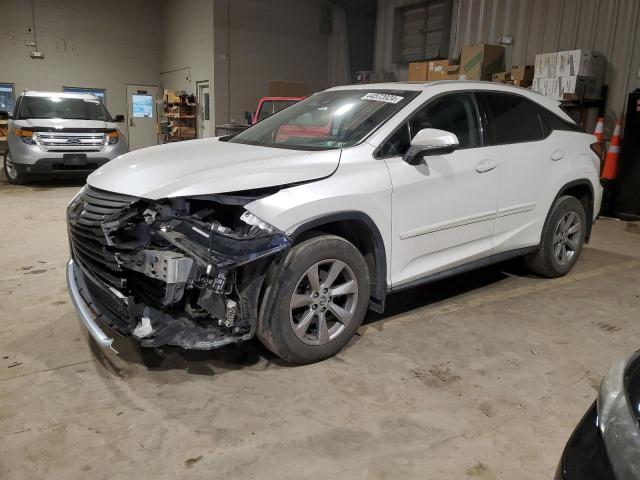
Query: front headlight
[77,196]
[113,137]
[250,219]
[25,136]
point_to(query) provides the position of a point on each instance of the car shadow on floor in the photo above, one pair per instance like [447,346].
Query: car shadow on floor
[253,355]
[44,184]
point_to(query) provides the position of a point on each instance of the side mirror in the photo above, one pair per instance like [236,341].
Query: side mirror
[248,118]
[119,118]
[430,141]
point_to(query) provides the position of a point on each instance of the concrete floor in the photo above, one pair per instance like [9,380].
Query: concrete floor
[482,376]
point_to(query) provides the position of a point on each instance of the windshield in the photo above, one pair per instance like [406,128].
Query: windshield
[60,107]
[327,120]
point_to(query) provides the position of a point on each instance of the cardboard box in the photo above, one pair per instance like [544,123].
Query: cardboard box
[573,87]
[170,96]
[575,62]
[501,77]
[522,83]
[479,62]
[437,70]
[545,66]
[522,73]
[442,70]
[287,89]
[544,86]
[453,72]
[418,71]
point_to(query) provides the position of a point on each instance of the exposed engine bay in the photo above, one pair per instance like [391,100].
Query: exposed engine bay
[178,271]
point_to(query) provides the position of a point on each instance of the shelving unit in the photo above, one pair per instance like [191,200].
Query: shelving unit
[3,134]
[180,119]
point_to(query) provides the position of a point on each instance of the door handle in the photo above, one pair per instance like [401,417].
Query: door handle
[557,155]
[132,123]
[485,166]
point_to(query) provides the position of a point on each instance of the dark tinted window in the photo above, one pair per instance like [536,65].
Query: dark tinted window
[510,118]
[455,114]
[551,121]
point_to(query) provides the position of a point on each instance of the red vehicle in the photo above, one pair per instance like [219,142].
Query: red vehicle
[270,105]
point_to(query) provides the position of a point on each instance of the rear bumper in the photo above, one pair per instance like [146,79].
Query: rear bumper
[88,317]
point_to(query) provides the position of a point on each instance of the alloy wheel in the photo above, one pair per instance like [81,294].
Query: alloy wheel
[566,238]
[12,173]
[323,302]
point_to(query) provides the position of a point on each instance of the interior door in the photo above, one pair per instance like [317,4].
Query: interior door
[444,208]
[204,120]
[142,117]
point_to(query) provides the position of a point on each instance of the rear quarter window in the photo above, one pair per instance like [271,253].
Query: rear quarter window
[552,122]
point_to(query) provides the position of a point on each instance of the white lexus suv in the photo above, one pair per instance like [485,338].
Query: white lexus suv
[292,229]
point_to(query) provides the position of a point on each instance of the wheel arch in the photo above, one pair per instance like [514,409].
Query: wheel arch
[358,228]
[582,189]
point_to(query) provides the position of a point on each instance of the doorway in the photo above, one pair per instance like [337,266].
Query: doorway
[204,106]
[142,117]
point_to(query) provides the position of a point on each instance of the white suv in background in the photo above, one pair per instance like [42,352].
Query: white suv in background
[295,227]
[55,134]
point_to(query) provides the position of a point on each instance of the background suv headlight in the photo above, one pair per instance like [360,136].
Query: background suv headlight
[113,137]
[25,136]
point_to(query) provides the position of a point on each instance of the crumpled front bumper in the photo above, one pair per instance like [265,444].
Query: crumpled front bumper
[87,316]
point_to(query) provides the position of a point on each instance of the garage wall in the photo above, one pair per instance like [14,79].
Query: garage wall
[187,46]
[540,26]
[86,44]
[257,41]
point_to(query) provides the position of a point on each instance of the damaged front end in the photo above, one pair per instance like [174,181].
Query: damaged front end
[177,271]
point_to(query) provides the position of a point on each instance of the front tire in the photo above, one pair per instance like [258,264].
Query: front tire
[14,176]
[562,239]
[318,302]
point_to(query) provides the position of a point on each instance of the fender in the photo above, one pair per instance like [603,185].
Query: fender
[581,183]
[379,272]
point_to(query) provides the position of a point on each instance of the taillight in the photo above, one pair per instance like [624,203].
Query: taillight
[597,149]
[25,136]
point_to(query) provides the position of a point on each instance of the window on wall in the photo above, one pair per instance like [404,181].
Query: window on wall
[421,31]
[101,93]
[7,97]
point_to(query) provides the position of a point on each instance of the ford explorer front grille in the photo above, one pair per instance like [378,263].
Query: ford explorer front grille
[70,141]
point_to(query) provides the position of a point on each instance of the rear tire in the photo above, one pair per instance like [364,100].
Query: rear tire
[14,176]
[562,239]
[318,301]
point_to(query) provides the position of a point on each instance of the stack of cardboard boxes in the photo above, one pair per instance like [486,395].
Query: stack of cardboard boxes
[569,75]
[477,62]
[520,75]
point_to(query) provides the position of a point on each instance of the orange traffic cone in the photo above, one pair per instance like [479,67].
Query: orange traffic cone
[599,129]
[610,171]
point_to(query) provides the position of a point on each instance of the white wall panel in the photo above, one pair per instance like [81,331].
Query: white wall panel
[85,44]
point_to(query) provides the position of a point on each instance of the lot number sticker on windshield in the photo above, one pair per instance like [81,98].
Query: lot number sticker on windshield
[382,97]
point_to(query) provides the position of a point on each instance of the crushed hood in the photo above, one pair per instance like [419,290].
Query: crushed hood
[62,123]
[207,166]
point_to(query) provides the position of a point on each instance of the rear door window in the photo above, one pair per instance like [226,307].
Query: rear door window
[510,118]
